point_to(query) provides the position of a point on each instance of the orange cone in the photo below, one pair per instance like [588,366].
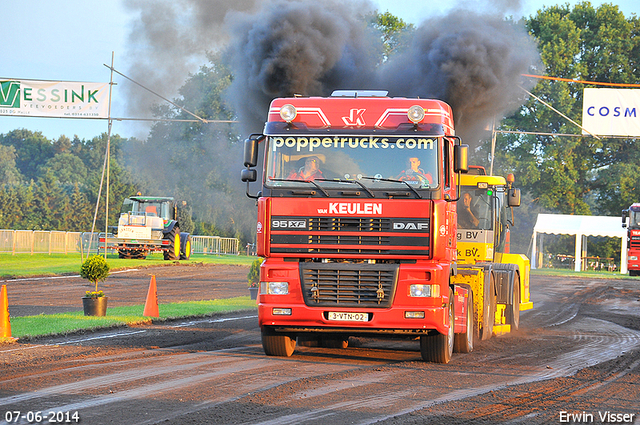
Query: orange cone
[5,321]
[151,306]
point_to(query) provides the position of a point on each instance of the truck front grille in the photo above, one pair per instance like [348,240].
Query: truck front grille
[348,285]
[364,237]
[349,224]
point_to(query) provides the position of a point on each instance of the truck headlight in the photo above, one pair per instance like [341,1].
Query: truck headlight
[274,288]
[424,290]
[633,258]
[288,112]
[415,114]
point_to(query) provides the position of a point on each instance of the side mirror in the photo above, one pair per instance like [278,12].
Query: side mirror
[461,158]
[251,153]
[513,199]
[248,175]
[625,214]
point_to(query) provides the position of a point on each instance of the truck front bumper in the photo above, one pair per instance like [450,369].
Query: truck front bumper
[299,318]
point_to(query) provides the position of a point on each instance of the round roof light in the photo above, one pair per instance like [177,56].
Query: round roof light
[511,178]
[288,112]
[415,114]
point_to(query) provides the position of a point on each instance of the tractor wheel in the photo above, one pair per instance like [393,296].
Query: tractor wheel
[173,253]
[185,246]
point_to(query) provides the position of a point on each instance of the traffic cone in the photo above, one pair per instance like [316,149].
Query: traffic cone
[5,321]
[151,305]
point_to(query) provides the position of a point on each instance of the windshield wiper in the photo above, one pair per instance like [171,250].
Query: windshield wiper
[324,192]
[350,181]
[395,181]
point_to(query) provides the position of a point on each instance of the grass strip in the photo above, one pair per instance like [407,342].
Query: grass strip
[27,265]
[589,274]
[63,323]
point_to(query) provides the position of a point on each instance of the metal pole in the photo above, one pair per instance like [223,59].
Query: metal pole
[493,145]
[110,121]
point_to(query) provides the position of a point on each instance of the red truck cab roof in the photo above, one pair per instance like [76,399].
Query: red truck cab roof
[362,113]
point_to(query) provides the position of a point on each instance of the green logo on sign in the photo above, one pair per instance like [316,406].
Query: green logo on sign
[10,94]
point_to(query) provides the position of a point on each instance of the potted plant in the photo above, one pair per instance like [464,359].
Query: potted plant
[95,269]
[254,278]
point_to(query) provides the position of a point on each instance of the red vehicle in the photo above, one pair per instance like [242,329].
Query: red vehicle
[633,238]
[357,222]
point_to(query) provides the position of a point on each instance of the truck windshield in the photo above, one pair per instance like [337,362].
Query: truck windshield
[634,219]
[294,159]
[474,209]
[156,209]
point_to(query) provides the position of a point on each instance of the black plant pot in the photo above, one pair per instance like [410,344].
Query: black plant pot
[95,306]
[253,292]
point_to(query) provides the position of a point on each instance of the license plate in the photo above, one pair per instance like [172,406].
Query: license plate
[348,317]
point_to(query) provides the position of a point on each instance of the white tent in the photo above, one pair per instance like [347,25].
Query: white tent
[581,225]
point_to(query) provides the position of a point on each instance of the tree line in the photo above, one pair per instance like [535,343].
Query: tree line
[53,184]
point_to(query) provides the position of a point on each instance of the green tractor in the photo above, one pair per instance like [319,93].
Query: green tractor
[149,224]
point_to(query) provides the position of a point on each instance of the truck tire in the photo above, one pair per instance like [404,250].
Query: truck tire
[463,342]
[489,309]
[308,341]
[334,341]
[173,253]
[438,348]
[185,246]
[513,309]
[137,254]
[275,344]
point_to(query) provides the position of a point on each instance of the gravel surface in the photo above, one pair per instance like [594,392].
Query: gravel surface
[576,353]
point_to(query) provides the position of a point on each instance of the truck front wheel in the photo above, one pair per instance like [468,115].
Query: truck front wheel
[277,344]
[438,348]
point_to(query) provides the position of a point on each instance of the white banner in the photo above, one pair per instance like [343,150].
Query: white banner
[611,112]
[61,99]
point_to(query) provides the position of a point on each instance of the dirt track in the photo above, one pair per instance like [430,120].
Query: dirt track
[577,353]
[192,282]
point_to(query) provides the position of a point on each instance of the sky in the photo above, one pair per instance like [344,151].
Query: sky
[72,40]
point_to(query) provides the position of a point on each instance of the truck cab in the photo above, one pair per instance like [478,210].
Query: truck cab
[631,220]
[498,279]
[356,220]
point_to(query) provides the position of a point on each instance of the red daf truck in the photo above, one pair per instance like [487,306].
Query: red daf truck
[632,214]
[357,222]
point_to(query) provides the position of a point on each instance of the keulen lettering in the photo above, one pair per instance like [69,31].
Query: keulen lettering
[366,208]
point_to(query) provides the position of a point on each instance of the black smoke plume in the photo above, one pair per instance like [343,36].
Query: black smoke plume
[304,47]
[473,62]
[469,59]
[168,40]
